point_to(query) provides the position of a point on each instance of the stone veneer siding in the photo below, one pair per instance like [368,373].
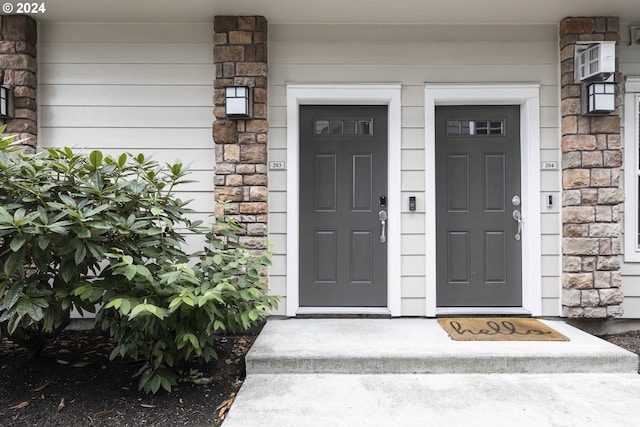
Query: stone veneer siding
[240,57]
[18,67]
[591,161]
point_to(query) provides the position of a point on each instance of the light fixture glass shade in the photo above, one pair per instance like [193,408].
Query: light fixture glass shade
[238,101]
[4,101]
[601,98]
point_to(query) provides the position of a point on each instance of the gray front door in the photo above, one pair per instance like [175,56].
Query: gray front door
[343,189]
[478,241]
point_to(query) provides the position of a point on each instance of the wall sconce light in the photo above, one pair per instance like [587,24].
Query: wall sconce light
[238,102]
[634,35]
[601,98]
[6,102]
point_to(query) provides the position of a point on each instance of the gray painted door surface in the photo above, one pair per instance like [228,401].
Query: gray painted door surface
[479,254]
[343,175]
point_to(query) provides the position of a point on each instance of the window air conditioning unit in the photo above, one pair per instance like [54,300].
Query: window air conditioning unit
[595,61]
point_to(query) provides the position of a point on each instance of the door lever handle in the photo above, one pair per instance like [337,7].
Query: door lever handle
[382,216]
[517,216]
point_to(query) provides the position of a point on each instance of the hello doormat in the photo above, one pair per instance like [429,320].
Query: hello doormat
[499,329]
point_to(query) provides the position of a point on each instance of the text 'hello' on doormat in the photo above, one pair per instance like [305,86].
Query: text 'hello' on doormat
[499,329]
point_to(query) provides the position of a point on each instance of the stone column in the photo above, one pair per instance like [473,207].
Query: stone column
[240,56]
[18,67]
[591,161]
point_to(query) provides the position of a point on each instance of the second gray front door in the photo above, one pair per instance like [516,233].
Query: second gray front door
[343,195]
[478,237]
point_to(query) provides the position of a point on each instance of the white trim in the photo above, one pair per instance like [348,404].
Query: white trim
[527,95]
[632,84]
[345,94]
[631,168]
[464,311]
[380,311]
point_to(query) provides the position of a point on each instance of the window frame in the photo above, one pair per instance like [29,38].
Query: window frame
[631,169]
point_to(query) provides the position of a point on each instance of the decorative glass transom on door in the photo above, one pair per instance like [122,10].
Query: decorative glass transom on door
[494,127]
[351,127]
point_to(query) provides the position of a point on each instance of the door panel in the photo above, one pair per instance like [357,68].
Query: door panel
[361,256]
[343,174]
[325,252]
[458,266]
[494,255]
[325,183]
[478,260]
[494,183]
[362,197]
[458,182]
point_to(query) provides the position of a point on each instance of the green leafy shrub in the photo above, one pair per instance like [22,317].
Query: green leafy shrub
[172,312]
[85,231]
[61,213]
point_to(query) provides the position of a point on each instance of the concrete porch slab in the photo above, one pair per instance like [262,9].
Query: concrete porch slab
[409,346]
[437,400]
[408,372]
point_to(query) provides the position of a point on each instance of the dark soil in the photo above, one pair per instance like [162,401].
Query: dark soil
[73,383]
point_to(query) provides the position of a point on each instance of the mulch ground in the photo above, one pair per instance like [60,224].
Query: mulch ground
[629,341]
[73,383]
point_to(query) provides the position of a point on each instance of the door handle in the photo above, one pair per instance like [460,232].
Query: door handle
[517,216]
[382,216]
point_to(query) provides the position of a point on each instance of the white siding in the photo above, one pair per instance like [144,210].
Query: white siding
[630,66]
[132,87]
[413,55]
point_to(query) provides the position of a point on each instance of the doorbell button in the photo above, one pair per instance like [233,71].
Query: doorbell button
[412,203]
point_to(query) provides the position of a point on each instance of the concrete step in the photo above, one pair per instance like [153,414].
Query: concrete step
[523,400]
[410,346]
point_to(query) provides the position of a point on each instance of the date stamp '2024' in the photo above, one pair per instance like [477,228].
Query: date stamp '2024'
[23,8]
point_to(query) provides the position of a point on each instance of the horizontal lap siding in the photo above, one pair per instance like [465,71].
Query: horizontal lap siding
[630,66]
[132,87]
[413,55]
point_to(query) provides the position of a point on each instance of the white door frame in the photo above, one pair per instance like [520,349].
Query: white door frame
[343,94]
[527,95]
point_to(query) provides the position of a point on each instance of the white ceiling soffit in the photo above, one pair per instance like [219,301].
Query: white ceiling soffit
[339,11]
